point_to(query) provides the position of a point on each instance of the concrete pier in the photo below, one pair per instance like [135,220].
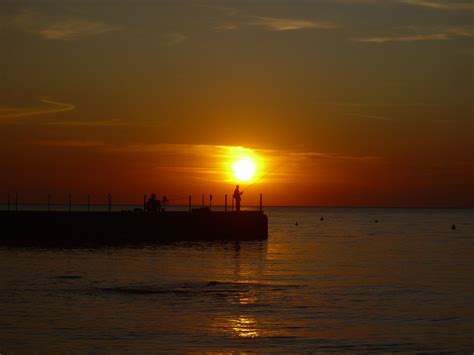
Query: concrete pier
[43,228]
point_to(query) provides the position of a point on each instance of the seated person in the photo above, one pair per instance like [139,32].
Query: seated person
[153,205]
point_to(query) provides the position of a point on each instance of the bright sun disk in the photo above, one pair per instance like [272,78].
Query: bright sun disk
[244,169]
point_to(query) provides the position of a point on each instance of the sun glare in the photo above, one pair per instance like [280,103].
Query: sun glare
[244,169]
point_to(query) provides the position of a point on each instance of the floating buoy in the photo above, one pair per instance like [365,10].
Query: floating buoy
[322,219]
[376,221]
[453,227]
[296,223]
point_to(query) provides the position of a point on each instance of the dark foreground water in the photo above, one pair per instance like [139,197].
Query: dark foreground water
[343,284]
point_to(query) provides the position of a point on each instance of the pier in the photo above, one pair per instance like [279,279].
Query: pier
[82,228]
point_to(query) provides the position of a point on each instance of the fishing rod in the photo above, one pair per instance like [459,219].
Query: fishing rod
[261,177]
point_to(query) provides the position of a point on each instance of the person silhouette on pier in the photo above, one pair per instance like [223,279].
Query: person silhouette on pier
[153,205]
[237,198]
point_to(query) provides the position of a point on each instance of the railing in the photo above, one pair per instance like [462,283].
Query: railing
[13,203]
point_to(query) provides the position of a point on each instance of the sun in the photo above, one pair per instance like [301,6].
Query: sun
[244,169]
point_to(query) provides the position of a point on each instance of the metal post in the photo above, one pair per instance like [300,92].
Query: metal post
[49,202]
[210,201]
[260,202]
[9,201]
[225,203]
[202,200]
[232,209]
[189,202]
[88,203]
[69,202]
[16,201]
[110,202]
[144,202]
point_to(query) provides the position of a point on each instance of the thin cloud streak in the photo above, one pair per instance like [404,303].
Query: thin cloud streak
[70,143]
[73,29]
[29,21]
[441,5]
[97,123]
[407,38]
[287,24]
[438,33]
[53,107]
[173,38]
[375,117]
[446,5]
[207,150]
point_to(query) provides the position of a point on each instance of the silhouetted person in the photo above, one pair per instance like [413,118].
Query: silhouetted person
[237,198]
[153,205]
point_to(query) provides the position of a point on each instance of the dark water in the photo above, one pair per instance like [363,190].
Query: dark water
[344,284]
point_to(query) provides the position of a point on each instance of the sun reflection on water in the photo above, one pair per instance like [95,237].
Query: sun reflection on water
[244,327]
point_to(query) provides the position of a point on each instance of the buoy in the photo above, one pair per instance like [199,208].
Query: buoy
[322,219]
[453,227]
[296,223]
[376,221]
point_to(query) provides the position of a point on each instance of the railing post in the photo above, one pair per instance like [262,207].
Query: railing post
[16,201]
[225,203]
[210,201]
[49,202]
[8,201]
[203,200]
[69,202]
[260,202]
[144,202]
[189,202]
[110,202]
[88,203]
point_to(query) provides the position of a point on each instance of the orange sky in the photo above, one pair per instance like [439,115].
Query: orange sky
[343,103]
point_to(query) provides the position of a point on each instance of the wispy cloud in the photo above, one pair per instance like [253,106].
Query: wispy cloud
[51,28]
[173,38]
[73,29]
[70,143]
[374,117]
[441,5]
[48,107]
[214,162]
[226,27]
[87,123]
[448,5]
[406,38]
[415,34]
[288,24]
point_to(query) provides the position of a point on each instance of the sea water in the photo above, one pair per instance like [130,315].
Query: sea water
[344,280]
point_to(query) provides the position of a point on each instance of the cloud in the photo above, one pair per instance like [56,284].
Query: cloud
[70,143]
[207,150]
[173,38]
[73,29]
[449,5]
[416,34]
[407,38]
[49,28]
[441,5]
[50,107]
[287,24]
[88,123]
[375,117]
[226,27]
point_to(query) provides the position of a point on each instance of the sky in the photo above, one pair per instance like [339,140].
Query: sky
[336,102]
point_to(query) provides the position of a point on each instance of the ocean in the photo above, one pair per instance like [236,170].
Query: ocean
[327,280]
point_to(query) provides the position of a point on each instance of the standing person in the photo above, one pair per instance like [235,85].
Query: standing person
[237,198]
